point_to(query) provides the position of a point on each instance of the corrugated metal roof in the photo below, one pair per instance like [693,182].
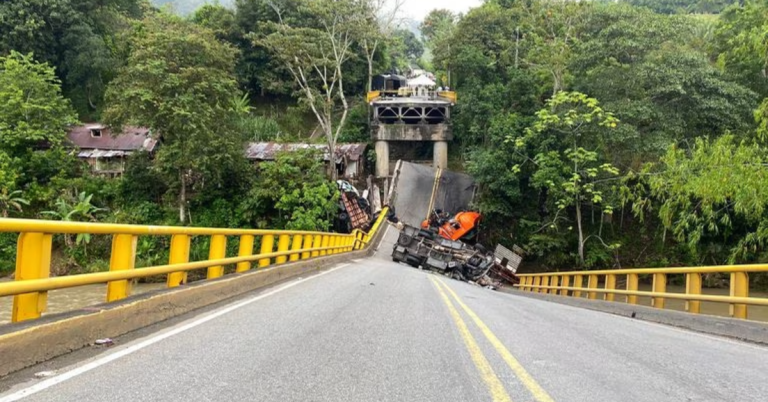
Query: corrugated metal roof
[97,153]
[266,151]
[131,139]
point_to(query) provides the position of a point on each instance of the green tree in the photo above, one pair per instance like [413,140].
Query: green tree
[566,162]
[438,23]
[318,59]
[294,193]
[413,49]
[259,72]
[32,109]
[78,38]
[221,20]
[683,6]
[639,65]
[740,44]
[180,81]
[437,29]
[33,114]
[377,25]
[711,197]
[551,32]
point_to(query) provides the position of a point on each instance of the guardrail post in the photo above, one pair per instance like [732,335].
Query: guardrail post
[544,284]
[283,242]
[245,250]
[317,243]
[217,251]
[610,284]
[326,239]
[267,245]
[306,246]
[553,281]
[332,243]
[359,240]
[577,283]
[632,282]
[536,284]
[739,288]
[693,287]
[592,284]
[350,242]
[565,282]
[659,286]
[33,261]
[296,246]
[179,255]
[524,281]
[123,257]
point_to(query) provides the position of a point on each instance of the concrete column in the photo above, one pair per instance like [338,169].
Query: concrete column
[440,158]
[382,159]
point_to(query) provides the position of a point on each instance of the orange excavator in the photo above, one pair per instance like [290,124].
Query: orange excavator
[464,226]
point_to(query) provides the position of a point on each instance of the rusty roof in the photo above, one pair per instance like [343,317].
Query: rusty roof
[266,151]
[131,139]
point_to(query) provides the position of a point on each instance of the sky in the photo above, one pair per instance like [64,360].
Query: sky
[418,9]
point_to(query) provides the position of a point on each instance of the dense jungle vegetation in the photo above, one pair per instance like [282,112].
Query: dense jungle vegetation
[602,134]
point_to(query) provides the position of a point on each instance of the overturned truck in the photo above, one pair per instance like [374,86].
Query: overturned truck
[444,242]
[426,249]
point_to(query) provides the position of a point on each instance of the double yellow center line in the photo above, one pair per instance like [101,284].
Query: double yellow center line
[496,388]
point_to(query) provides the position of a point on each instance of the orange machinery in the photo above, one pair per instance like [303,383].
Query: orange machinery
[463,226]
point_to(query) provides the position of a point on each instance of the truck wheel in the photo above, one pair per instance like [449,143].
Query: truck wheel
[404,240]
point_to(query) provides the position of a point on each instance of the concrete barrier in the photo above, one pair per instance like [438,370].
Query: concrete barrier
[745,330]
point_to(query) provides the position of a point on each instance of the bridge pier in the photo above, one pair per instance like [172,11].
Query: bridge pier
[382,158]
[440,155]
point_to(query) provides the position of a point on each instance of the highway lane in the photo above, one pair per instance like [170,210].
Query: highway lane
[378,331]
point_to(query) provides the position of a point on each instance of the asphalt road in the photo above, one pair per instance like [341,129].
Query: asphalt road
[378,331]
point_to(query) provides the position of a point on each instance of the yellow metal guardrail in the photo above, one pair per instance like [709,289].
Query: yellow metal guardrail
[571,284]
[34,246]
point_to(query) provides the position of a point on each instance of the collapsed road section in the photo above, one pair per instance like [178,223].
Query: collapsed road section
[432,238]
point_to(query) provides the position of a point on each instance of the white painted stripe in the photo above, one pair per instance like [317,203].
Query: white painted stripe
[143,344]
[382,237]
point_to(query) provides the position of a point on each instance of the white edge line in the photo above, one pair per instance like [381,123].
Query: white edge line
[141,345]
[378,246]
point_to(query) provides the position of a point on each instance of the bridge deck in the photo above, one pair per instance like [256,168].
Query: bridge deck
[377,331]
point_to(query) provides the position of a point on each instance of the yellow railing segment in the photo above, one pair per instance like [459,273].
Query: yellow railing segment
[571,284]
[33,258]
[372,95]
[450,95]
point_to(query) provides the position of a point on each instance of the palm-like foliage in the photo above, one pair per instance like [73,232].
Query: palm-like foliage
[73,210]
[11,201]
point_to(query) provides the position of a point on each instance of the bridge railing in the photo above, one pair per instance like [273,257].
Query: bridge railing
[32,278]
[572,284]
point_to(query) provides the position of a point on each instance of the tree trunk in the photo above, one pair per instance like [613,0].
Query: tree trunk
[581,232]
[182,197]
[332,173]
[370,75]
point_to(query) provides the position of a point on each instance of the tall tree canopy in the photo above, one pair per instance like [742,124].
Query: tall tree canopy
[179,80]
[79,38]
